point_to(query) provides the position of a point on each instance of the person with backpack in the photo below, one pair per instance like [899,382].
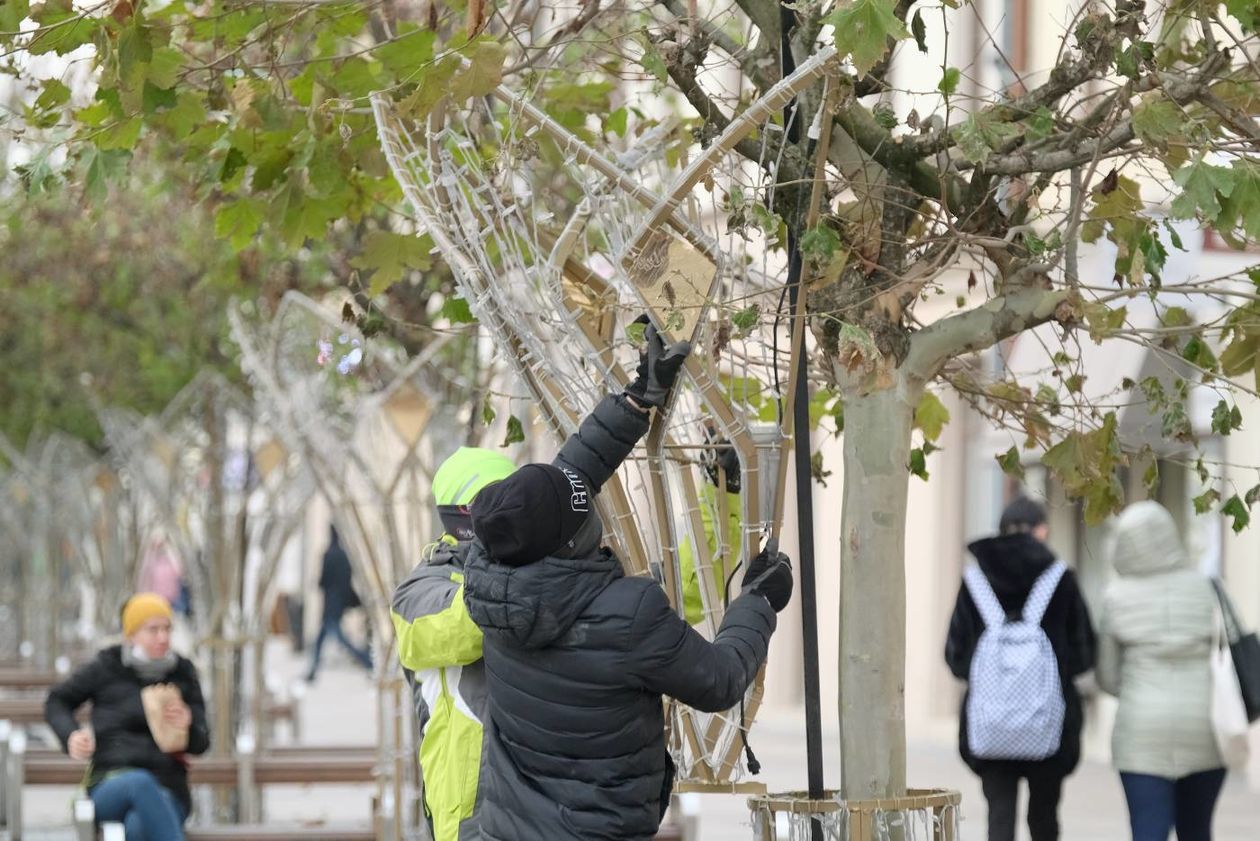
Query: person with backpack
[439,648]
[1156,634]
[578,655]
[1020,633]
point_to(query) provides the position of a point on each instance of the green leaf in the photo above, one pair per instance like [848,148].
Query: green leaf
[1202,187]
[515,432]
[616,122]
[1175,317]
[1011,463]
[743,390]
[483,74]
[408,53]
[12,13]
[433,86]
[120,135]
[389,255]
[354,78]
[746,319]
[303,216]
[1157,119]
[931,416]
[103,168]
[1234,507]
[1115,209]
[457,311]
[62,32]
[1131,60]
[1226,418]
[919,30]
[1103,321]
[918,463]
[1240,209]
[820,242]
[54,95]
[487,412]
[1150,479]
[1246,12]
[981,133]
[653,63]
[1203,502]
[1252,496]
[1086,463]
[949,81]
[636,333]
[1040,124]
[863,27]
[164,67]
[238,222]
[816,470]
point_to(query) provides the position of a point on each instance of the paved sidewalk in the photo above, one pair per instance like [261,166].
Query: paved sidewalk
[1092,809]
[340,710]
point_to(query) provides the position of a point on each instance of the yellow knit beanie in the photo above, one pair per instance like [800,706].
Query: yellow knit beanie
[142,607]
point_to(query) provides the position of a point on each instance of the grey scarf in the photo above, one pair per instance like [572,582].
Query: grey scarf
[148,668]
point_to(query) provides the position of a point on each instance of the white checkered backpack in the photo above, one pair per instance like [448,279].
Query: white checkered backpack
[1015,704]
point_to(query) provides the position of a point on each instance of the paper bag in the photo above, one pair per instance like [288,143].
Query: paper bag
[169,739]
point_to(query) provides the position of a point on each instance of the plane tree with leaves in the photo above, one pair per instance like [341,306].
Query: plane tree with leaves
[987,200]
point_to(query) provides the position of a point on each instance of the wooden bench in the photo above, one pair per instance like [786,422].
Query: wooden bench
[291,766]
[30,678]
[280,832]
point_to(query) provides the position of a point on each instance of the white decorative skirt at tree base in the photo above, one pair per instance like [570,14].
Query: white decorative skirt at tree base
[922,815]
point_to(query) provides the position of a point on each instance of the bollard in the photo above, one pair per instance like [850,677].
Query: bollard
[16,779]
[85,819]
[6,730]
[246,788]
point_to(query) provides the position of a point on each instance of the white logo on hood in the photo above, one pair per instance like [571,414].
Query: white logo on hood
[578,495]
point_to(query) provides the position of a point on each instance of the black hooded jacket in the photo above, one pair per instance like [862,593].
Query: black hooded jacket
[1012,564]
[577,658]
[122,733]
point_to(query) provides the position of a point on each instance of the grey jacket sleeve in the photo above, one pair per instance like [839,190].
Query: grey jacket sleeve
[603,441]
[668,655]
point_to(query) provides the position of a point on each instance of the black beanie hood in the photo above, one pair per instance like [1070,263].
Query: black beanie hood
[531,514]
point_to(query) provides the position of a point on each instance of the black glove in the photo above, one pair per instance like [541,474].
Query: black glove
[658,367]
[721,455]
[770,575]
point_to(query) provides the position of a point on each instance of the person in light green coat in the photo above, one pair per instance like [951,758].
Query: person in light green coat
[440,651]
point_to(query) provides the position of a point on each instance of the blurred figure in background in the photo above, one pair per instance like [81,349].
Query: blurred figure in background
[337,583]
[1156,633]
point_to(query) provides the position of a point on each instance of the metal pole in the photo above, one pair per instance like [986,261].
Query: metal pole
[804,474]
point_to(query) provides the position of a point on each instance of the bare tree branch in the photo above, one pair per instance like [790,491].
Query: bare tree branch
[981,327]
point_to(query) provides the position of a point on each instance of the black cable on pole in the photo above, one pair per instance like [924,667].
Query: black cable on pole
[804,473]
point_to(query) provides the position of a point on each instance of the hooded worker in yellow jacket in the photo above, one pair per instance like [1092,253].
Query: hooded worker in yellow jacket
[440,650]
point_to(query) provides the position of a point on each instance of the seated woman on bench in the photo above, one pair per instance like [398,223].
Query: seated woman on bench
[147,715]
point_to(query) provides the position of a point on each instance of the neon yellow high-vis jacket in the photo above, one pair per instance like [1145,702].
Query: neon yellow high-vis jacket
[693,606]
[440,651]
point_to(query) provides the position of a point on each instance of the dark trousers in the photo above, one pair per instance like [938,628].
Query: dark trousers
[1001,789]
[331,626]
[1157,804]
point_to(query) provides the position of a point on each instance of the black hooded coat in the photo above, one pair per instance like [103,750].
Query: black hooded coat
[577,658]
[1012,564]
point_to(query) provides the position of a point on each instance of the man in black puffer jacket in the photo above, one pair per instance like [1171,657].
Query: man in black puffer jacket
[578,655]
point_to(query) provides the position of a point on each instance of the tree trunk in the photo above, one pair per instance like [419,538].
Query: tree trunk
[873,591]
